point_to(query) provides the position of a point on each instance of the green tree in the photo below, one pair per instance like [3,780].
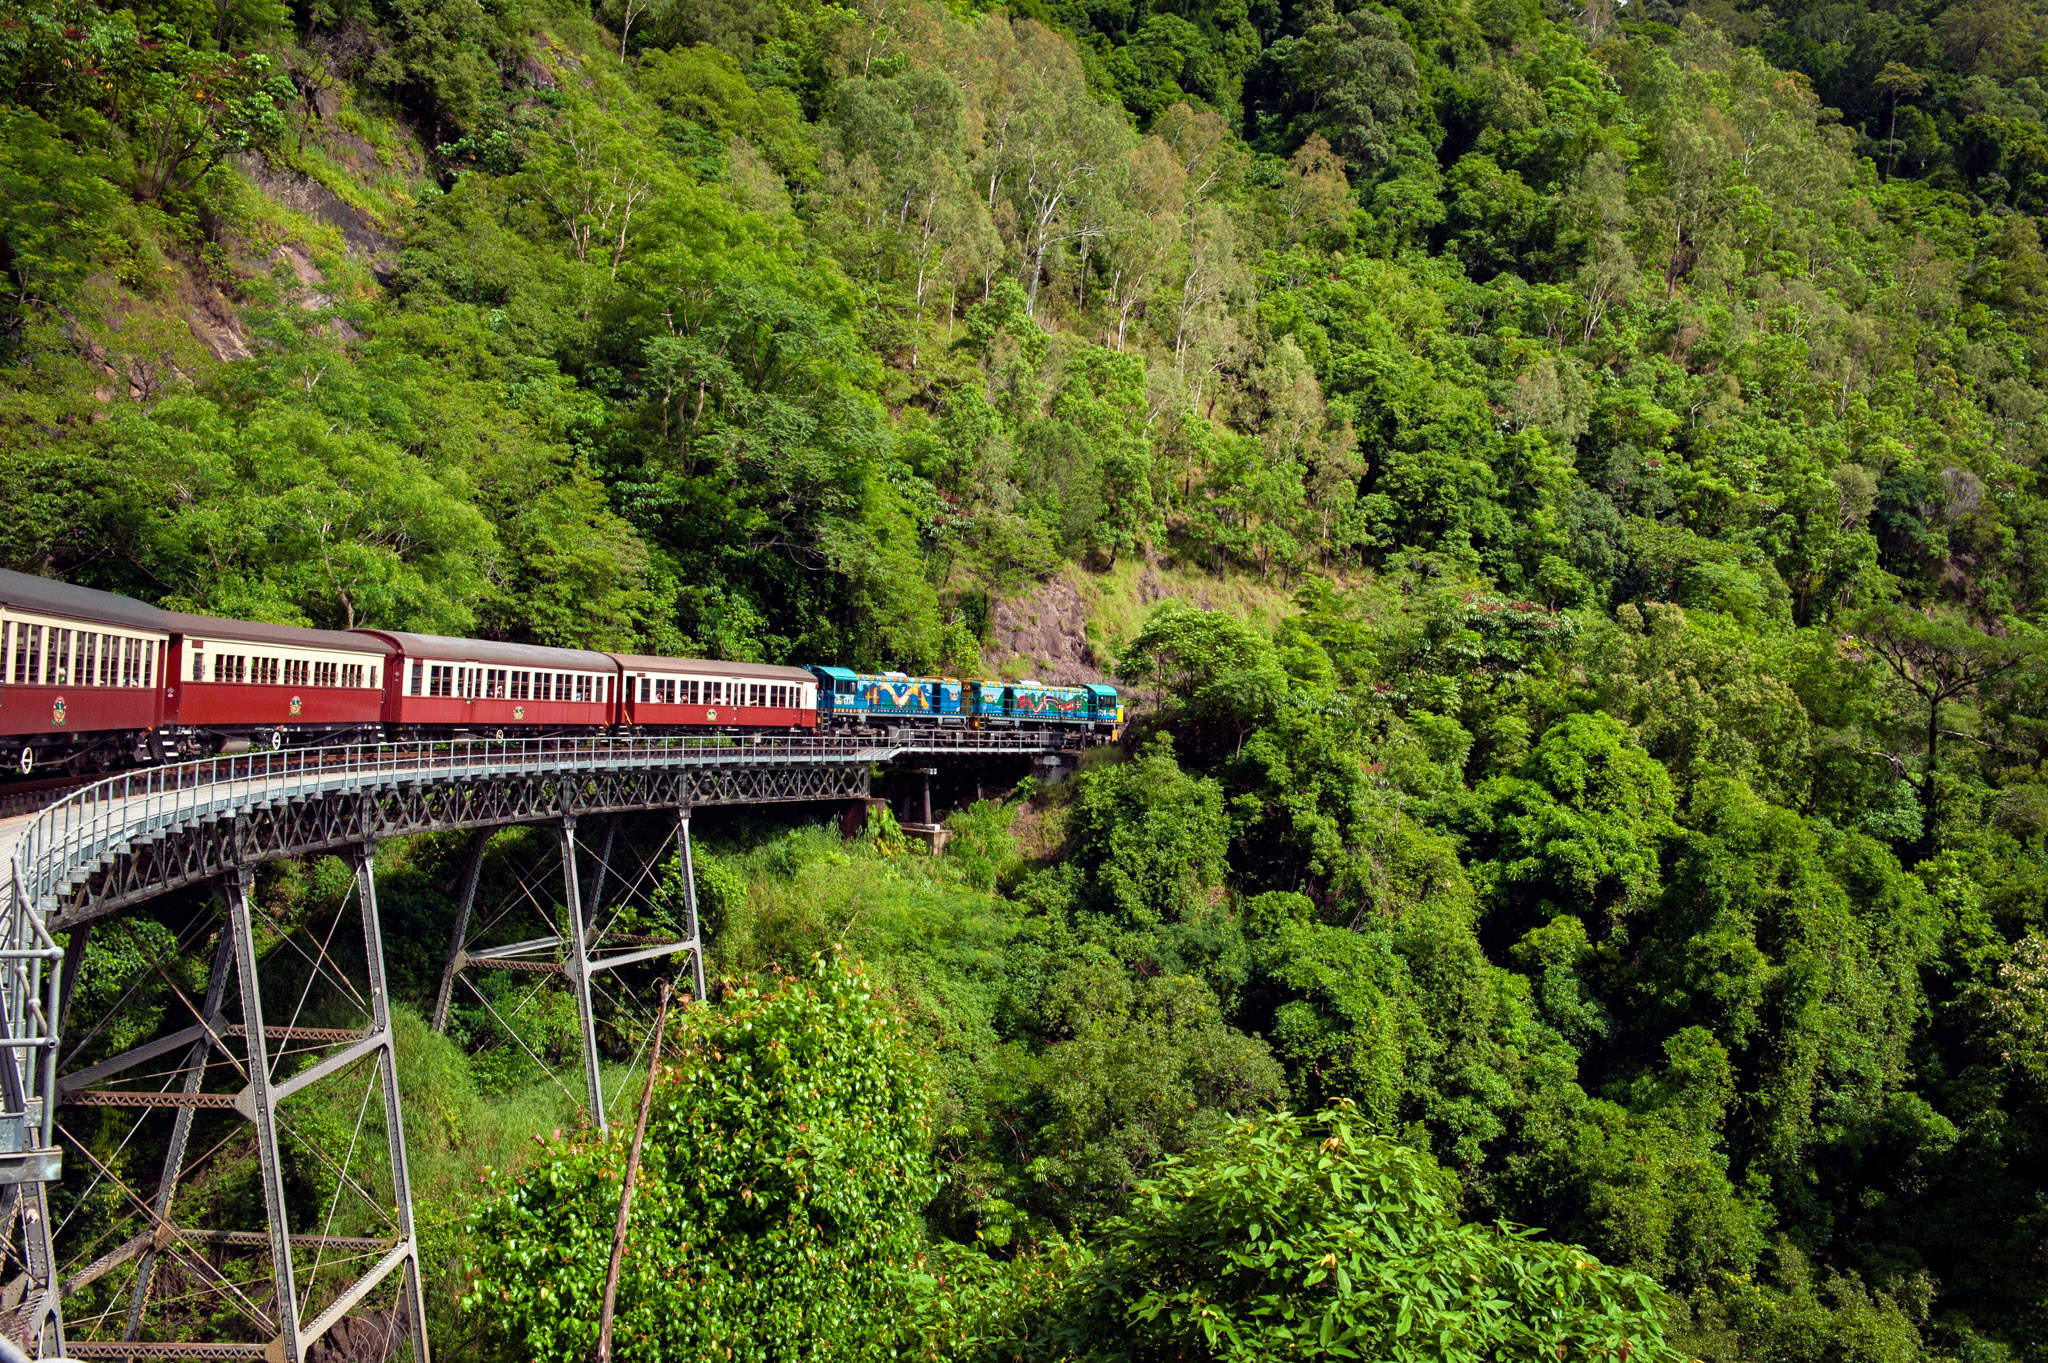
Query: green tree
[1313,1238]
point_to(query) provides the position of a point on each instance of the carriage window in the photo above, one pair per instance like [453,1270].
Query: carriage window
[418,675]
[28,661]
[439,684]
[88,648]
[582,687]
[198,667]
[6,650]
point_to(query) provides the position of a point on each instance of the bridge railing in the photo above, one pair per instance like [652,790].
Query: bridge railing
[70,836]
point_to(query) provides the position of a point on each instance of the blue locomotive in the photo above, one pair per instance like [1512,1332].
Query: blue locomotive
[854,700]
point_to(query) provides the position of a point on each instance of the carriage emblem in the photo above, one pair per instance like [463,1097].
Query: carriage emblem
[711,714]
[297,705]
[57,711]
[519,712]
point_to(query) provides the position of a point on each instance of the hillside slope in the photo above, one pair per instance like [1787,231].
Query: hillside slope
[1613,753]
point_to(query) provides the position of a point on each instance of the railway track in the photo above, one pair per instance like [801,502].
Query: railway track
[26,796]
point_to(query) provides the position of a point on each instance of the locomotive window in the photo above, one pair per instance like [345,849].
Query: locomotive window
[843,687]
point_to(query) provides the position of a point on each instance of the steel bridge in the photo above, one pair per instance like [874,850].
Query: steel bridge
[207,826]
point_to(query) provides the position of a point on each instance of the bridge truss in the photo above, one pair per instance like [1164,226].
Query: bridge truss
[228,1060]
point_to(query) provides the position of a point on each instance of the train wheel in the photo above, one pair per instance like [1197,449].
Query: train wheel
[28,761]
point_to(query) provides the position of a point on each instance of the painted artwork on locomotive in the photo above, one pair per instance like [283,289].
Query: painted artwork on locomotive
[91,681]
[853,697]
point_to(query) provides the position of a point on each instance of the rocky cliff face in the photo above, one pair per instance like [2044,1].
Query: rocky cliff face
[1045,633]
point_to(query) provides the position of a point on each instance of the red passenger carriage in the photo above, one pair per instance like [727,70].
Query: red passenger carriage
[435,684]
[696,693]
[79,675]
[231,682]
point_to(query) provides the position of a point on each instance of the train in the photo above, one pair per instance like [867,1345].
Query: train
[93,681]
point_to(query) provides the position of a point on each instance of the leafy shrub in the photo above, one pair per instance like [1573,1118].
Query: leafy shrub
[785,1166]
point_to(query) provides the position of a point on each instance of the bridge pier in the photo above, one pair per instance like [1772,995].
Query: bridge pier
[578,943]
[299,1314]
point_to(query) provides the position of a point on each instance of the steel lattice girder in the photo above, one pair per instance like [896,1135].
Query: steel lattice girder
[270,831]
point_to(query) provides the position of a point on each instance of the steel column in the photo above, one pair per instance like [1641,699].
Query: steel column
[470,870]
[578,966]
[696,937]
[181,1126]
[263,1112]
[414,1293]
[604,865]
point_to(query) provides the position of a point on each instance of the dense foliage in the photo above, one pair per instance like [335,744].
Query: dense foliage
[779,1185]
[1624,782]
